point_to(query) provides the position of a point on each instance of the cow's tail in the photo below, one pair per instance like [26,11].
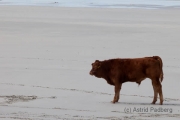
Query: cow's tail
[161,65]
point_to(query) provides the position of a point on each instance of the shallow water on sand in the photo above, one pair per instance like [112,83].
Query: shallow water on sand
[149,4]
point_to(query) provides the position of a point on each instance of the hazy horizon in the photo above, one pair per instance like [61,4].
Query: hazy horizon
[97,3]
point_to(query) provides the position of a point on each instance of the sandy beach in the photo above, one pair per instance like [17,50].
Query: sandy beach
[46,55]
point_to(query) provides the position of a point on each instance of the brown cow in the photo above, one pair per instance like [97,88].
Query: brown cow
[118,71]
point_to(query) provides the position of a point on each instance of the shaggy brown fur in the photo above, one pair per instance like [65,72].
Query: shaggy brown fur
[118,71]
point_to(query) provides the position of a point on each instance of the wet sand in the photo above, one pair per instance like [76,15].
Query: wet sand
[46,55]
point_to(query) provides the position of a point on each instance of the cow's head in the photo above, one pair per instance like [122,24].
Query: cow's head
[96,68]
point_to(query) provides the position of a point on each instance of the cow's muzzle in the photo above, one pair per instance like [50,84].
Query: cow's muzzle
[91,72]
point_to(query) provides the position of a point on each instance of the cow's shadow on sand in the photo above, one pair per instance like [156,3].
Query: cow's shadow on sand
[147,104]
[144,104]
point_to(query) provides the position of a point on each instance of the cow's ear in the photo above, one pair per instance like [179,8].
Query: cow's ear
[97,61]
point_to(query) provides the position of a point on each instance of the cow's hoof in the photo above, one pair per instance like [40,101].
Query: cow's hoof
[113,102]
[153,103]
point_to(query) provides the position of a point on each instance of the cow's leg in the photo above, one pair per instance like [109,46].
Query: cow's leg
[155,93]
[117,89]
[160,92]
[157,89]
